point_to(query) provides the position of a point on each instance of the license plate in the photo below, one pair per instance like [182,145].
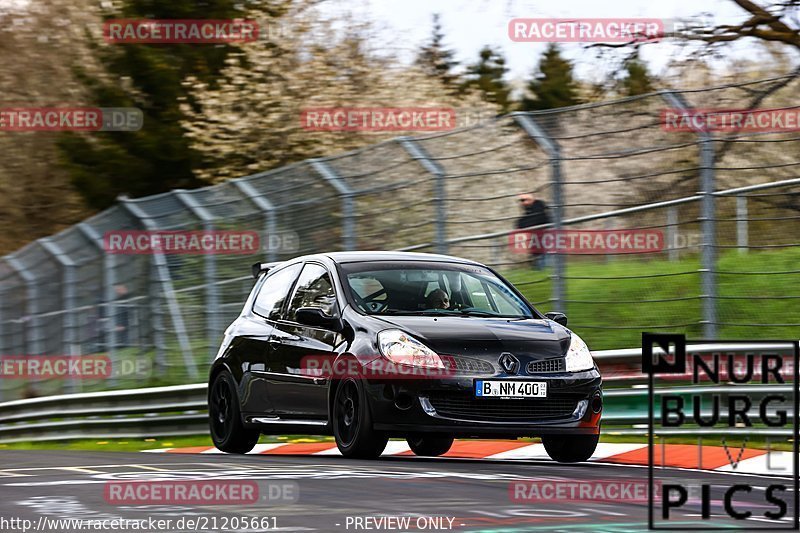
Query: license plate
[510,389]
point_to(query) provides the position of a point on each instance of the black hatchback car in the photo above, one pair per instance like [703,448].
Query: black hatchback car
[372,345]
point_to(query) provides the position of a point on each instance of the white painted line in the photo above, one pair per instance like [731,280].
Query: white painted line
[146,467]
[532,451]
[609,449]
[5,473]
[537,451]
[258,448]
[333,450]
[213,450]
[395,447]
[79,469]
[261,448]
[775,463]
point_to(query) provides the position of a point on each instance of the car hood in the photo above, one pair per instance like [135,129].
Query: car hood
[530,339]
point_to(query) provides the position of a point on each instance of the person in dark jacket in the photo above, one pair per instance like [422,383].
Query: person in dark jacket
[534,214]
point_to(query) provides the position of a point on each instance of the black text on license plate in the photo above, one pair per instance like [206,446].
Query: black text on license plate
[485,388]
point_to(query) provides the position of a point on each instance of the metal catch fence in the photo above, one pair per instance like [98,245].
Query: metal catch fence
[726,207]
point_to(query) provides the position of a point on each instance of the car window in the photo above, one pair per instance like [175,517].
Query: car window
[431,288]
[367,285]
[274,292]
[491,297]
[476,292]
[313,289]
[502,299]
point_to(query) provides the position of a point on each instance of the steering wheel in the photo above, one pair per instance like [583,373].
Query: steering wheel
[376,306]
[369,302]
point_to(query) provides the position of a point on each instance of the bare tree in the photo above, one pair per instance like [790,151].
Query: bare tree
[40,42]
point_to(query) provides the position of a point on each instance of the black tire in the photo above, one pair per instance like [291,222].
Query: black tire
[429,445]
[570,448]
[352,423]
[225,419]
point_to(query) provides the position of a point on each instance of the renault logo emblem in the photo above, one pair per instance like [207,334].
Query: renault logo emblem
[509,363]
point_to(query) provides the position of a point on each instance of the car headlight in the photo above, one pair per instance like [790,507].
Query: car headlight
[401,348]
[578,356]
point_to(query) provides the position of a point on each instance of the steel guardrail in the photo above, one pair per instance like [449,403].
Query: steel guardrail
[181,409]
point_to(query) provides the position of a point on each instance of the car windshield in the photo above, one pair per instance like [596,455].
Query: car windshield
[428,288]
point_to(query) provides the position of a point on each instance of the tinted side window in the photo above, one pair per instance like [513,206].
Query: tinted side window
[274,292]
[314,289]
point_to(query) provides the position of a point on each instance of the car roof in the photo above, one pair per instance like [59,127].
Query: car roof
[363,256]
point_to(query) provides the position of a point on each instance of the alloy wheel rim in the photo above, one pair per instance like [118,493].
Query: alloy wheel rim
[220,415]
[347,419]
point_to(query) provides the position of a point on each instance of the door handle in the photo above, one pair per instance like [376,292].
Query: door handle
[273,339]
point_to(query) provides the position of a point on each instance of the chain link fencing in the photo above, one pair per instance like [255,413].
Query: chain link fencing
[726,205]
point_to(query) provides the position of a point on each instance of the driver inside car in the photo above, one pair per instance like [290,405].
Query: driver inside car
[437,299]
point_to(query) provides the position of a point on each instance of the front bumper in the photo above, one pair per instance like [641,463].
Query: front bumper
[448,405]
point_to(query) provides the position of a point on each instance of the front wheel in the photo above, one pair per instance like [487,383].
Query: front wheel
[225,420]
[570,448]
[429,445]
[352,423]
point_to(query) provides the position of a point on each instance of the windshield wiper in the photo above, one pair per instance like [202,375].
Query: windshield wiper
[449,312]
[474,312]
[469,312]
[434,312]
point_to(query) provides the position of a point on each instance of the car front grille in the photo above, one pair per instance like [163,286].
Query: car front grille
[464,406]
[547,365]
[466,365]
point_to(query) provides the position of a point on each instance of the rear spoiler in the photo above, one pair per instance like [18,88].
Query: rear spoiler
[258,268]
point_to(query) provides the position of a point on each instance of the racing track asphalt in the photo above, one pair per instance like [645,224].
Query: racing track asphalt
[474,493]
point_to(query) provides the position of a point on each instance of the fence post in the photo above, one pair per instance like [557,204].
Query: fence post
[68,322]
[2,328]
[707,221]
[31,321]
[266,207]
[2,317]
[418,153]
[209,270]
[157,317]
[553,151]
[672,232]
[163,279]
[348,205]
[742,237]
[109,330]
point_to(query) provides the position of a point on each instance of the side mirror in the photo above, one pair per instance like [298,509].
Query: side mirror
[316,317]
[559,318]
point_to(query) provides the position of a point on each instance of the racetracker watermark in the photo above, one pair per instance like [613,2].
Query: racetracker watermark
[55,366]
[551,241]
[731,120]
[720,405]
[378,119]
[179,31]
[600,30]
[200,492]
[546,490]
[181,242]
[401,367]
[71,119]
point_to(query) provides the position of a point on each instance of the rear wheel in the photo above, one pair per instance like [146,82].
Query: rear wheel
[225,420]
[429,445]
[570,448]
[352,423]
